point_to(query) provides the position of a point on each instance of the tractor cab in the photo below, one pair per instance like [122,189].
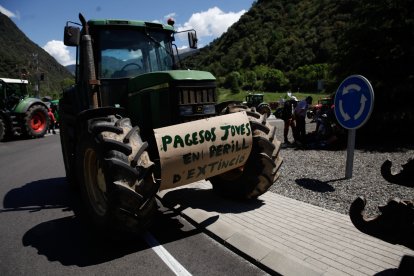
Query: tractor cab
[128,48]
[12,91]
[124,59]
[254,99]
[257,101]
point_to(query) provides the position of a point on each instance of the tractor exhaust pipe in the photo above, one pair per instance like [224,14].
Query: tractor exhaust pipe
[89,69]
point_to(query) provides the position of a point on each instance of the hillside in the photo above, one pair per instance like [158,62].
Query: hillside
[281,45]
[280,34]
[71,68]
[18,59]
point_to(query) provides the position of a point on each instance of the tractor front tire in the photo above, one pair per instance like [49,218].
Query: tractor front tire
[36,121]
[262,167]
[115,176]
[264,109]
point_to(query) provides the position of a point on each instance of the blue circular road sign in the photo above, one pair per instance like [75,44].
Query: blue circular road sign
[354,101]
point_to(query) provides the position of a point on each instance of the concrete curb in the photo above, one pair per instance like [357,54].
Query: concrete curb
[272,261]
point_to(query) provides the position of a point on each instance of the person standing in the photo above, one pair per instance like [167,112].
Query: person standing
[287,117]
[300,115]
[52,121]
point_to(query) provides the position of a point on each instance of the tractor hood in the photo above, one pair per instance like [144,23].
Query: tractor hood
[163,78]
[157,99]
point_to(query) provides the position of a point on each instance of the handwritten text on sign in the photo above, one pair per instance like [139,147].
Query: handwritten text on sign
[201,149]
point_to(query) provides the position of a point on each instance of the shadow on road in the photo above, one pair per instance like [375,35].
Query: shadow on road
[38,195]
[68,239]
[207,200]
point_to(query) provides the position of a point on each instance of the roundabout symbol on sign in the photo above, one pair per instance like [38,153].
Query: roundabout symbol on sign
[354,101]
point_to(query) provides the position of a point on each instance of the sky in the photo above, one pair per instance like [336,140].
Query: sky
[43,21]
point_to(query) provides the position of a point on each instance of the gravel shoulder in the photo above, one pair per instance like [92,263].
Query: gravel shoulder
[317,177]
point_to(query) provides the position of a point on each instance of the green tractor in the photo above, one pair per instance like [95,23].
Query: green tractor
[20,114]
[135,124]
[257,101]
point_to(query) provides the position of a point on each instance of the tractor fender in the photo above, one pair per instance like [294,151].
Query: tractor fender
[26,103]
[88,114]
[221,106]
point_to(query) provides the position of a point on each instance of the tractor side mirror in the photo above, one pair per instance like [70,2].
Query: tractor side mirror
[192,40]
[71,36]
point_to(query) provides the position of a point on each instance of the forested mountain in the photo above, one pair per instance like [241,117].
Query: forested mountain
[281,45]
[278,42]
[21,58]
[71,68]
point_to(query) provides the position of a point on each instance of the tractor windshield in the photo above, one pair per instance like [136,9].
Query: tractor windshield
[13,89]
[129,53]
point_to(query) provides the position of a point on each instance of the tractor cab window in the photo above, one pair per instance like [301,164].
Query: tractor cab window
[257,99]
[15,89]
[129,53]
[11,93]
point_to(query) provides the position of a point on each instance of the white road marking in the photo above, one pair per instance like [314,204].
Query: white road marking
[167,258]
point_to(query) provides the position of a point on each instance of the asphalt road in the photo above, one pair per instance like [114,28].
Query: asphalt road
[40,235]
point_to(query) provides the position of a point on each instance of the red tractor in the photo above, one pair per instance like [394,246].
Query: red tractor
[321,107]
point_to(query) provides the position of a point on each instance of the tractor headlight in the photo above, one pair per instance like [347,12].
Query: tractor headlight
[186,110]
[209,109]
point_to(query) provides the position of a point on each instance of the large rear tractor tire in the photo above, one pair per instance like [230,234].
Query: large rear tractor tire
[115,177]
[262,167]
[36,121]
[2,129]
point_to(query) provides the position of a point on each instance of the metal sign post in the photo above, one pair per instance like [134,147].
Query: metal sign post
[354,101]
[350,153]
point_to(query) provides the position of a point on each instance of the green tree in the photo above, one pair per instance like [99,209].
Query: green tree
[233,81]
[275,80]
[261,71]
[250,80]
[67,82]
[306,77]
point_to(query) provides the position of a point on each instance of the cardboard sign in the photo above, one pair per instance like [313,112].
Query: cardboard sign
[201,149]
